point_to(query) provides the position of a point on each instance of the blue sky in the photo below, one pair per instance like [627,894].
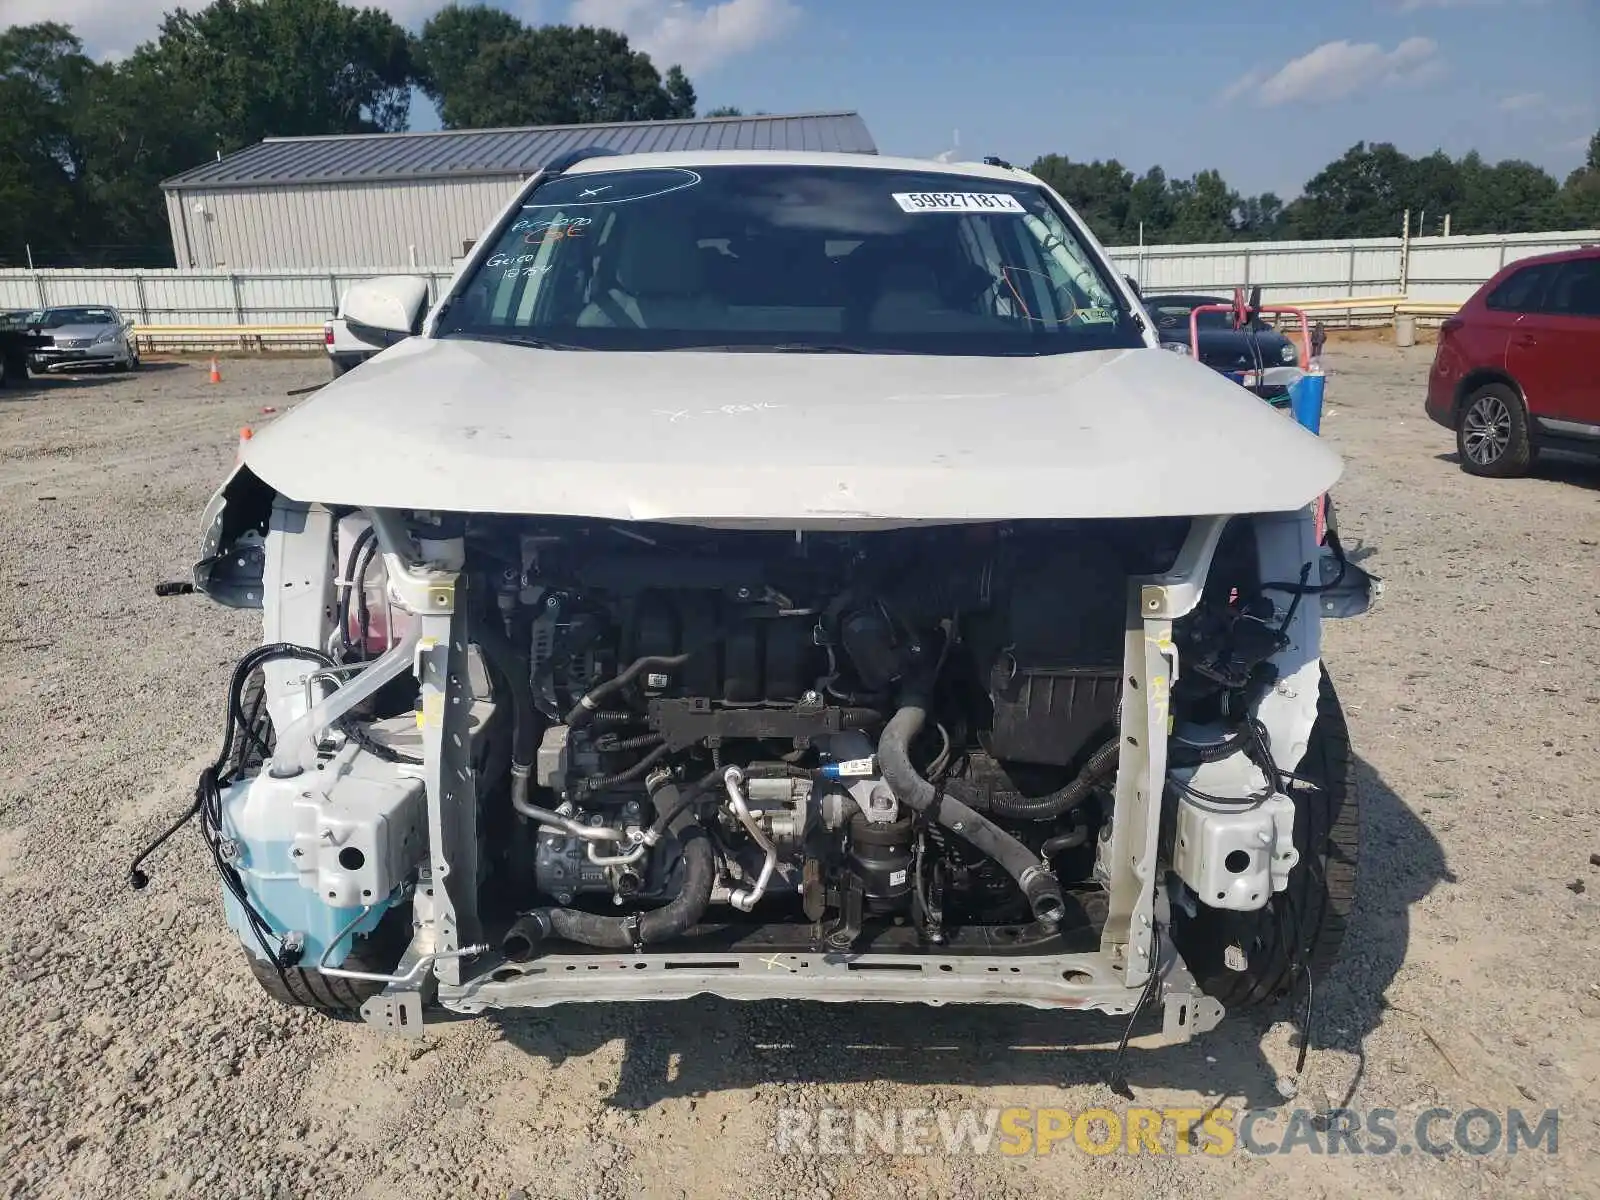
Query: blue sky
[1264,92]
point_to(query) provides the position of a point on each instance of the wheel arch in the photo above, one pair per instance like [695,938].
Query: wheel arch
[1481,377]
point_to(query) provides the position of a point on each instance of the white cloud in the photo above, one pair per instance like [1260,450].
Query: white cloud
[1521,102]
[1335,70]
[1246,83]
[696,36]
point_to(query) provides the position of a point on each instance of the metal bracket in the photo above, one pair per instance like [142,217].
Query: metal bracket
[452,787]
[396,1012]
[1175,592]
[1185,1009]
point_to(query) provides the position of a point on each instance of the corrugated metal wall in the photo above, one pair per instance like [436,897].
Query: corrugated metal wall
[1440,269]
[378,226]
[156,298]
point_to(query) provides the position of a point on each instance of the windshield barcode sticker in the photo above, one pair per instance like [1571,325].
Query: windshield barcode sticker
[915,202]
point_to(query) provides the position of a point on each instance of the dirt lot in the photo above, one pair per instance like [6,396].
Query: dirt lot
[137,1056]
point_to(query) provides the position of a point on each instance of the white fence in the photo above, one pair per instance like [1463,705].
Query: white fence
[170,297]
[1425,269]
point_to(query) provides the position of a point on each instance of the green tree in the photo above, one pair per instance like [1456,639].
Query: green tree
[1204,209]
[725,110]
[558,75]
[41,73]
[1260,217]
[1507,197]
[257,68]
[1579,203]
[680,94]
[1360,194]
[451,40]
[1150,209]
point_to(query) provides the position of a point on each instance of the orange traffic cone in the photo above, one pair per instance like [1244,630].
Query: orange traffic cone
[216,375]
[245,434]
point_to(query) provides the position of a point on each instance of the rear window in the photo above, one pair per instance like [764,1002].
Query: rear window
[792,257]
[1521,291]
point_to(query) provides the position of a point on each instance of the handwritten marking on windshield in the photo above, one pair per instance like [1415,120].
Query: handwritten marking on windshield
[726,410]
[584,195]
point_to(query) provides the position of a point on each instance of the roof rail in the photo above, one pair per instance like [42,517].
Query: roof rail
[564,162]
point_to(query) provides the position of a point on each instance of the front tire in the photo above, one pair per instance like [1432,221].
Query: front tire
[330,995]
[1321,891]
[1492,433]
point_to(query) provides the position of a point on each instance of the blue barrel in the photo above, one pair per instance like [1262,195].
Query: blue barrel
[1305,400]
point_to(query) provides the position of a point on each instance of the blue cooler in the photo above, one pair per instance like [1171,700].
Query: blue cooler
[1305,399]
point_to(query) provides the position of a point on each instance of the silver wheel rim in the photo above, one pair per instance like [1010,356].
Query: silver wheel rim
[1486,431]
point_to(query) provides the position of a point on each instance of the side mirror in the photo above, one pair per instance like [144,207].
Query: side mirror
[385,310]
[1134,284]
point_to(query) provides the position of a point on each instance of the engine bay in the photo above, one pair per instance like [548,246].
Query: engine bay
[734,696]
[721,738]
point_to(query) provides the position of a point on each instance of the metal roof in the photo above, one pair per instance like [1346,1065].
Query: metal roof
[371,157]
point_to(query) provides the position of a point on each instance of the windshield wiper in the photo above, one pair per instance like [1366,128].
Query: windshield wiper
[512,339]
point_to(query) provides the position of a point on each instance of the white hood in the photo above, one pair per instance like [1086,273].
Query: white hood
[789,440]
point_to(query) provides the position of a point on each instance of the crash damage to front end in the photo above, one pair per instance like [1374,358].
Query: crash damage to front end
[902,740]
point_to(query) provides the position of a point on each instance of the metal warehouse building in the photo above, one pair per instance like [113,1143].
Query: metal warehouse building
[402,200]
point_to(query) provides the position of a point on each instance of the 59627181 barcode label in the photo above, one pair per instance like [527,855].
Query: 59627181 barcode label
[959,202]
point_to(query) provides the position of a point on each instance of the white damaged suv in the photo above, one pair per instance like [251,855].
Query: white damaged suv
[780,575]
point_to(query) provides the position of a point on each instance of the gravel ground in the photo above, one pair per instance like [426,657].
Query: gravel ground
[137,1057]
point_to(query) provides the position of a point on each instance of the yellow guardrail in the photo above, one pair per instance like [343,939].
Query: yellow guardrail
[245,337]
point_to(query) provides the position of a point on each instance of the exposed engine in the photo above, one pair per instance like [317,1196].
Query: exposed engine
[914,729]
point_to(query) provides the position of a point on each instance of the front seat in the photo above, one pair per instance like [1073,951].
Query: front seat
[660,283]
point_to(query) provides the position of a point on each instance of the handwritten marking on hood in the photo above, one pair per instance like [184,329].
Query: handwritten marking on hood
[724,410]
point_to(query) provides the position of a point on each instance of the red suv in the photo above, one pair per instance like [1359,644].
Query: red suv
[1518,368]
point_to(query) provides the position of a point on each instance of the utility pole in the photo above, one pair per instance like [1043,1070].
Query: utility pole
[1405,253]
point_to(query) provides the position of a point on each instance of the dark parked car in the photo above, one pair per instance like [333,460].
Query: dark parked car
[1252,349]
[1518,368]
[17,344]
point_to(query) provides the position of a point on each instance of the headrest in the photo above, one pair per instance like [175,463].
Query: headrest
[660,260]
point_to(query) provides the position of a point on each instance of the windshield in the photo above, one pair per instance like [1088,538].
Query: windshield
[59,318]
[791,258]
[1170,315]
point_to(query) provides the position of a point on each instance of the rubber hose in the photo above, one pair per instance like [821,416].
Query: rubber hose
[503,657]
[894,760]
[1070,840]
[583,711]
[1051,804]
[662,924]
[357,548]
